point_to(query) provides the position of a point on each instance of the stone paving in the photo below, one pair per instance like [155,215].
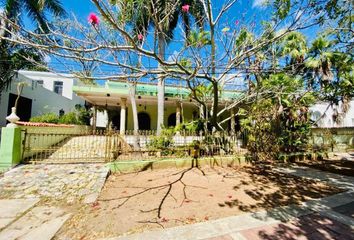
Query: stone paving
[41,222]
[29,196]
[11,209]
[64,182]
[326,218]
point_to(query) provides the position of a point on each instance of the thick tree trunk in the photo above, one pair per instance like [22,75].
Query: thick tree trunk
[161,88]
[132,90]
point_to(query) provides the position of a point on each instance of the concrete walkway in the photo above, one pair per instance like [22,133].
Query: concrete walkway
[326,218]
[30,195]
[64,182]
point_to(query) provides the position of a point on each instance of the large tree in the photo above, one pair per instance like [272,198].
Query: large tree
[163,16]
[209,58]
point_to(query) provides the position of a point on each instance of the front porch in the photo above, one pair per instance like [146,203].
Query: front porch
[114,102]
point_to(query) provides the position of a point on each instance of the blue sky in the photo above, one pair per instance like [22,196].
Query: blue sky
[242,9]
[247,12]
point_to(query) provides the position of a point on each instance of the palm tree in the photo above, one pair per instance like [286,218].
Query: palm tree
[320,58]
[163,15]
[294,45]
[36,10]
[12,56]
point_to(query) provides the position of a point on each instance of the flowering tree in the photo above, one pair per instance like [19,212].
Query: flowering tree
[212,54]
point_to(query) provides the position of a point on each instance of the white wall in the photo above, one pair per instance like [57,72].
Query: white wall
[49,78]
[327,121]
[102,119]
[43,100]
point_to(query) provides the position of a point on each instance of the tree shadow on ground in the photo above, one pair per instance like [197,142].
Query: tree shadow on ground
[343,167]
[311,227]
[290,190]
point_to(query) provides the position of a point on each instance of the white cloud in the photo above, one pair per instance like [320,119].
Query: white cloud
[260,3]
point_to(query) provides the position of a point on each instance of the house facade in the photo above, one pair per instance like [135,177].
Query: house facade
[43,92]
[114,97]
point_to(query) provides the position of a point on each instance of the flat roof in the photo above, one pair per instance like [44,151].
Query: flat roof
[121,89]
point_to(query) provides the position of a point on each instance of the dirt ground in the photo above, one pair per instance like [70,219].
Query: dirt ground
[136,202]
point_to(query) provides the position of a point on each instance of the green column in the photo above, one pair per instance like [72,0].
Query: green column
[10,148]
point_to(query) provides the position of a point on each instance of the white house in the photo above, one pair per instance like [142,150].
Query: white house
[44,92]
[323,114]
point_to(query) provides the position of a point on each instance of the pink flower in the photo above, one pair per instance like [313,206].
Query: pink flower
[237,22]
[185,8]
[93,19]
[140,36]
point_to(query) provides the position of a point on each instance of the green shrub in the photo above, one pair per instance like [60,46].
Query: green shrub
[163,142]
[83,114]
[69,118]
[45,118]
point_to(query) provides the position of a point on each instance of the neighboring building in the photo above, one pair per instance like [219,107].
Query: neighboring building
[44,92]
[323,113]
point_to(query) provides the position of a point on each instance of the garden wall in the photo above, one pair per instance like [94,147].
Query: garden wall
[337,139]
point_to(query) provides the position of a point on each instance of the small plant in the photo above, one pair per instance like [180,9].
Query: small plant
[45,118]
[69,118]
[163,142]
[83,114]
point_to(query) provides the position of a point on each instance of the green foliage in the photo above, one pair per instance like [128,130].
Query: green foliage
[14,57]
[185,63]
[69,118]
[294,44]
[46,118]
[282,8]
[80,116]
[199,39]
[279,124]
[244,39]
[35,9]
[83,115]
[163,142]
[194,126]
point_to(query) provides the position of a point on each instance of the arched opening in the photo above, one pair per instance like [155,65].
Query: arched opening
[144,121]
[171,121]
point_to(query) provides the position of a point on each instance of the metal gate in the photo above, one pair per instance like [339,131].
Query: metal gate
[72,147]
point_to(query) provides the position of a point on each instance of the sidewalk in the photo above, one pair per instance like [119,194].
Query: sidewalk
[30,196]
[326,218]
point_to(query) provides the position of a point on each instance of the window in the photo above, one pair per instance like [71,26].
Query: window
[58,87]
[40,82]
